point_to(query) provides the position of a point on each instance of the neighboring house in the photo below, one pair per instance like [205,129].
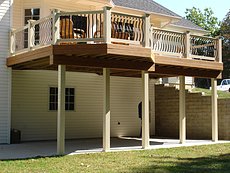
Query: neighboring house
[175,81]
[134,41]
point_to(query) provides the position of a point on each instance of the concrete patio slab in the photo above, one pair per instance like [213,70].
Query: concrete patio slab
[48,148]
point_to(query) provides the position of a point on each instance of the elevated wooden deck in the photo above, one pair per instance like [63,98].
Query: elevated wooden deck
[123,60]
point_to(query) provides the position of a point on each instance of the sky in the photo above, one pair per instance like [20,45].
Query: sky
[219,7]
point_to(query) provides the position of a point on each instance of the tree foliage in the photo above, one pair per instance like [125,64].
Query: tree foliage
[225,32]
[205,19]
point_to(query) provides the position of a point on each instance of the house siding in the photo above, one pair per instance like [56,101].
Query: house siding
[5,74]
[45,8]
[17,14]
[19,8]
[63,6]
[176,80]
[30,114]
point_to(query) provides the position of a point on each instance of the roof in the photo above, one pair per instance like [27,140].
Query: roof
[188,24]
[153,7]
[145,5]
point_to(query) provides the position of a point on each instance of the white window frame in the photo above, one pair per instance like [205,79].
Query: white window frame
[74,102]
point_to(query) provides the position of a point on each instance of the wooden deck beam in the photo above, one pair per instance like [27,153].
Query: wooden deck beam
[188,63]
[29,56]
[114,56]
[178,71]
[101,63]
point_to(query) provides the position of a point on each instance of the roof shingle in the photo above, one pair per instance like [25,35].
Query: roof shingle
[151,6]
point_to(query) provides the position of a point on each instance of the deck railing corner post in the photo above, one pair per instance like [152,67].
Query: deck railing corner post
[31,34]
[107,24]
[12,42]
[187,45]
[218,49]
[56,25]
[147,29]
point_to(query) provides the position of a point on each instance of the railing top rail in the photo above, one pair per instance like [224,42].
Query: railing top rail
[20,29]
[79,12]
[128,15]
[205,37]
[42,19]
[164,30]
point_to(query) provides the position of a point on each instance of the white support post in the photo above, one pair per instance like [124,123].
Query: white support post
[61,110]
[187,45]
[182,119]
[106,109]
[107,24]
[56,25]
[31,34]
[147,30]
[214,111]
[145,109]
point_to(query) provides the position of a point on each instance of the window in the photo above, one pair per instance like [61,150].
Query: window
[224,82]
[69,98]
[33,14]
[228,82]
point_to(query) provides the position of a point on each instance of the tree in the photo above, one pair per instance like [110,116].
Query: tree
[225,32]
[207,21]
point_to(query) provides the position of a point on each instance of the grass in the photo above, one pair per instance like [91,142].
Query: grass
[206,158]
[221,94]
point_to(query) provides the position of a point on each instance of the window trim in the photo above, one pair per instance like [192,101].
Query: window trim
[48,98]
[24,13]
[24,24]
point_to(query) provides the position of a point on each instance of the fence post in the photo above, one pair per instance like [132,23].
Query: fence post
[187,45]
[107,24]
[56,25]
[31,34]
[12,42]
[147,30]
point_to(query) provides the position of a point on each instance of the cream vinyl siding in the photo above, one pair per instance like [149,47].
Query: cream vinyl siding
[5,25]
[188,80]
[17,14]
[71,5]
[32,4]
[19,10]
[45,8]
[176,80]
[30,114]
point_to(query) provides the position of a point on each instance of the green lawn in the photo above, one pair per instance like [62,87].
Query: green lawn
[221,94]
[207,158]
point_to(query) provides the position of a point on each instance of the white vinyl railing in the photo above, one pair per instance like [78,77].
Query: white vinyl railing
[83,27]
[166,42]
[127,28]
[106,26]
[175,44]
[34,34]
